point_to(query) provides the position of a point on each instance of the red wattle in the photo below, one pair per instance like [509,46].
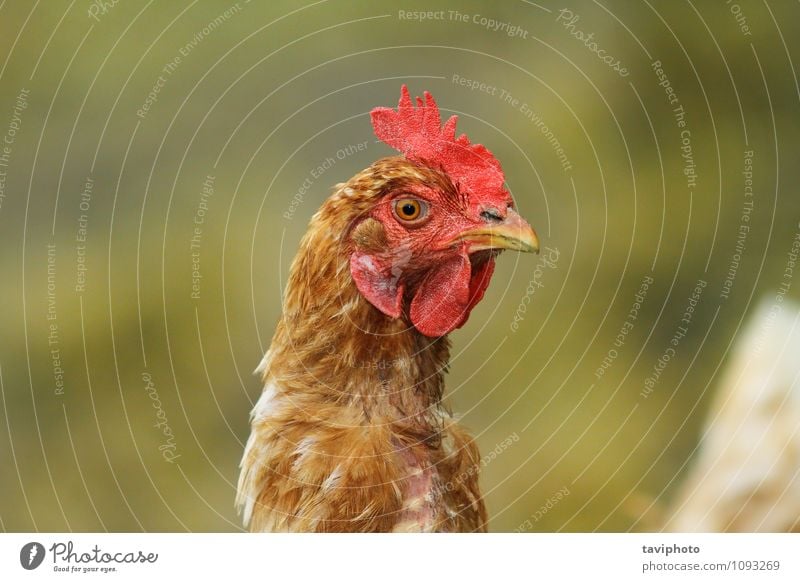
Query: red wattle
[442,301]
[479,282]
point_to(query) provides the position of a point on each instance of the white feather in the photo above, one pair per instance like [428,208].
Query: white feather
[248,486]
[263,365]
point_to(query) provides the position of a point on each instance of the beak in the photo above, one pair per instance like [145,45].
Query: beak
[513,233]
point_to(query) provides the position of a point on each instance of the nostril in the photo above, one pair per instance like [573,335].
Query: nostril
[491,215]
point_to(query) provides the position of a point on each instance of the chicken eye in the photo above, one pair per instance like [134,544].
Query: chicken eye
[410,209]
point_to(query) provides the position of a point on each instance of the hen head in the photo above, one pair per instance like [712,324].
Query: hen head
[425,246]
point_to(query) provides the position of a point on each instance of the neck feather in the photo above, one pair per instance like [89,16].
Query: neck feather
[333,346]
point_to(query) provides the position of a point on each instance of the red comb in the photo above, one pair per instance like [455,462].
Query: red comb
[418,133]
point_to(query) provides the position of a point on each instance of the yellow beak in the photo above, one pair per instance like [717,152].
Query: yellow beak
[513,234]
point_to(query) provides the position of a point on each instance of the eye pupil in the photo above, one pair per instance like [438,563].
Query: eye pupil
[409,209]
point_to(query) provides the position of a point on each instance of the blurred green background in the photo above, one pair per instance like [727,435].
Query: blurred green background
[97,282]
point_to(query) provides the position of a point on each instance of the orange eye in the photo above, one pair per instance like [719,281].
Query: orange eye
[410,209]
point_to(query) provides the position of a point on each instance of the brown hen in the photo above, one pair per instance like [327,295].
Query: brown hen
[350,433]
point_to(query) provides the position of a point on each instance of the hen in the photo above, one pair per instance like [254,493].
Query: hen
[350,433]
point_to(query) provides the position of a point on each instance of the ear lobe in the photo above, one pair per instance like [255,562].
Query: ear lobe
[377,283]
